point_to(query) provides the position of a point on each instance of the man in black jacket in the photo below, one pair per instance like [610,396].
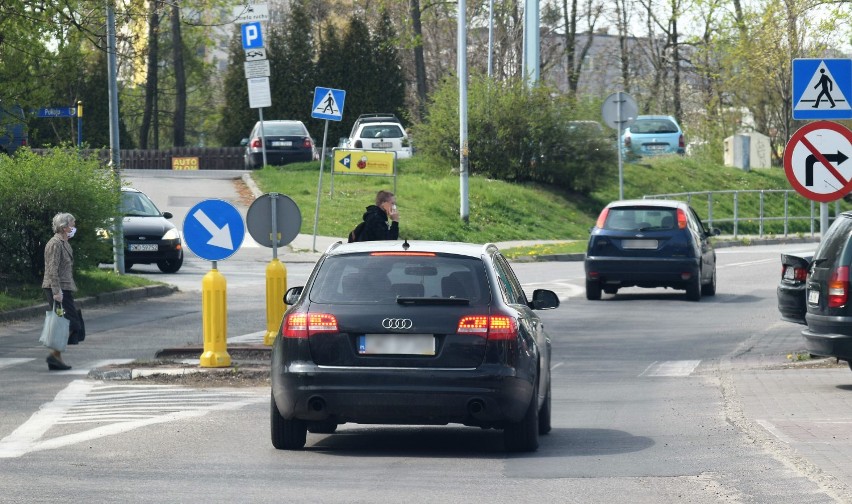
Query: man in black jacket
[376,225]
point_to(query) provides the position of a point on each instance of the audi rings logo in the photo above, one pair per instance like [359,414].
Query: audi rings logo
[397,323]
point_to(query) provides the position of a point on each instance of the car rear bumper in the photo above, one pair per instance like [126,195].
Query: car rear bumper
[487,396]
[828,344]
[276,158]
[650,271]
[791,303]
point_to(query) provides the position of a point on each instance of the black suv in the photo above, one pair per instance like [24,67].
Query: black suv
[829,316]
[424,333]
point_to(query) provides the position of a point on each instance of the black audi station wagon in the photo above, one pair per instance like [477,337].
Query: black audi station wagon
[419,333]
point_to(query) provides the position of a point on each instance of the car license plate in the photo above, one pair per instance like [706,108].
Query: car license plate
[656,147]
[813,296]
[399,344]
[282,144]
[639,244]
[143,247]
[382,145]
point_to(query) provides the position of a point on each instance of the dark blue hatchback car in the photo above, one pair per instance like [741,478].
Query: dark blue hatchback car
[650,243]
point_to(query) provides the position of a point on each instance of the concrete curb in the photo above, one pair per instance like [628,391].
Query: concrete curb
[115,297]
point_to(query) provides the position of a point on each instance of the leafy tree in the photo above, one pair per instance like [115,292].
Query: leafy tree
[235,107]
[389,81]
[332,73]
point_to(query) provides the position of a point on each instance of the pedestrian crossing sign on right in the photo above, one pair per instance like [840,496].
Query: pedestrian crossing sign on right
[822,88]
[328,104]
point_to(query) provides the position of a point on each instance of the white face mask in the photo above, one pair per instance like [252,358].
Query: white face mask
[72,232]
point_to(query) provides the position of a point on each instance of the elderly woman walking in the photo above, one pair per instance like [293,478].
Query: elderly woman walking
[58,283]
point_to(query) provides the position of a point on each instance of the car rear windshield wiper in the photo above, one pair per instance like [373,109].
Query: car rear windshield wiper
[444,301]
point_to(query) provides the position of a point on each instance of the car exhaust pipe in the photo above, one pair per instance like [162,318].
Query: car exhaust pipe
[316,404]
[475,407]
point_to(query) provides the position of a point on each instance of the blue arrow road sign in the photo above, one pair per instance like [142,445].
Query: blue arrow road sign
[252,36]
[213,229]
[328,104]
[822,88]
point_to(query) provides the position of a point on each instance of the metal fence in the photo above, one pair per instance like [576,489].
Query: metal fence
[209,158]
[727,208]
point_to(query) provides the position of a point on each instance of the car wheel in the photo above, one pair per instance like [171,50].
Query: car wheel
[287,434]
[544,415]
[593,290]
[693,288]
[611,290]
[710,288]
[127,265]
[323,427]
[170,265]
[523,436]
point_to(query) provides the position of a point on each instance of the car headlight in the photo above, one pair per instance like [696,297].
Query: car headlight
[171,234]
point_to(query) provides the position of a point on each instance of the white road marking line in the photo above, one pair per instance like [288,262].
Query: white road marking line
[10,361]
[749,263]
[255,337]
[554,366]
[772,429]
[128,406]
[678,368]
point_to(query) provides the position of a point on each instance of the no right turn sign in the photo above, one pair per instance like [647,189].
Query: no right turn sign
[815,161]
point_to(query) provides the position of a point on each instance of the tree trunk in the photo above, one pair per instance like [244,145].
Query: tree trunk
[419,61]
[179,137]
[152,76]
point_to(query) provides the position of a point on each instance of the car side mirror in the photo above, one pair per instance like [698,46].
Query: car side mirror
[544,299]
[167,215]
[358,144]
[293,294]
[714,232]
[243,142]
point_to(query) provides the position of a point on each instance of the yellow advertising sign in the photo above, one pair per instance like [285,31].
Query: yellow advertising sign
[364,162]
[184,163]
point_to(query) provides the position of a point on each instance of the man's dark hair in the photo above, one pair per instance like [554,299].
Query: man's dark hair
[383,196]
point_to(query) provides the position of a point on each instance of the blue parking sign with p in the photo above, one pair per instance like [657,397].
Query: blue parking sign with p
[252,36]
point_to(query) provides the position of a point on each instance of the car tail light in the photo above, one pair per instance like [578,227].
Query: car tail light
[838,287]
[307,144]
[681,219]
[602,218]
[680,142]
[303,325]
[409,254]
[256,143]
[799,274]
[492,327]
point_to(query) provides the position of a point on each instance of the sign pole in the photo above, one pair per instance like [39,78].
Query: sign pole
[262,135]
[319,188]
[79,124]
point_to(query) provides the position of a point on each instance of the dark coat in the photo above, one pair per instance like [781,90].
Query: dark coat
[376,226]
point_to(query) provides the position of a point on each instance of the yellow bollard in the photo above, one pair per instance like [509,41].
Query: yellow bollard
[276,286]
[214,320]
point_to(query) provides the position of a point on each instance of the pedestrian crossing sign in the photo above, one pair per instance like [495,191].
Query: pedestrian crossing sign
[328,104]
[822,88]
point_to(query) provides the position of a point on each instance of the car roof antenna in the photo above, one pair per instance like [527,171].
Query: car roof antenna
[405,245]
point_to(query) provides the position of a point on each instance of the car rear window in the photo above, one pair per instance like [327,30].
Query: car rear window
[837,236]
[366,278]
[283,129]
[640,218]
[385,131]
[653,126]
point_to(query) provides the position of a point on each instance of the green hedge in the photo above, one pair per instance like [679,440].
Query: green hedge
[34,188]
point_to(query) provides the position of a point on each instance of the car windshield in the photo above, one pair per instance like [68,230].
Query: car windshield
[137,204]
[282,129]
[653,126]
[384,131]
[367,278]
[640,218]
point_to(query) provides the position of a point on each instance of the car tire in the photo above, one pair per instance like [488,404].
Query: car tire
[593,290]
[709,289]
[322,427]
[523,436]
[611,290]
[171,265]
[544,415]
[287,434]
[693,288]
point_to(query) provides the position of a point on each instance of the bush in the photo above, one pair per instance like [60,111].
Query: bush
[33,189]
[517,134]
